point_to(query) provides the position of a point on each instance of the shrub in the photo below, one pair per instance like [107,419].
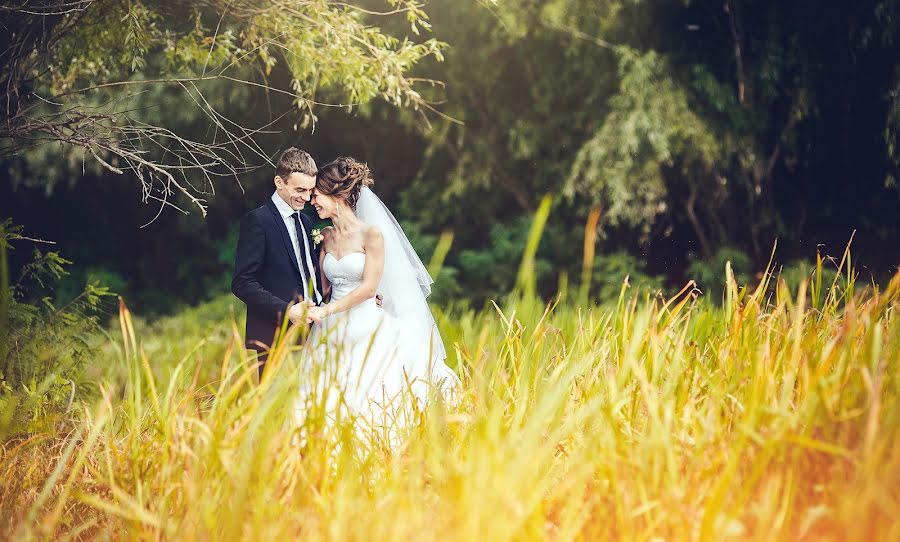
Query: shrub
[710,273]
[45,343]
[610,271]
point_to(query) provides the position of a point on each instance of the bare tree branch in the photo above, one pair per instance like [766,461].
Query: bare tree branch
[36,110]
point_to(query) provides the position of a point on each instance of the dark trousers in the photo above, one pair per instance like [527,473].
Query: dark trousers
[261,357]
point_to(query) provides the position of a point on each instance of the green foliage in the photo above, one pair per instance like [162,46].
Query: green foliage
[110,39]
[526,97]
[46,344]
[709,273]
[495,267]
[890,134]
[651,127]
[446,288]
[612,270]
[645,110]
[327,47]
[796,272]
[154,88]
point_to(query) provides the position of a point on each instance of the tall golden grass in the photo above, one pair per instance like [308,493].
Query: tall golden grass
[772,417]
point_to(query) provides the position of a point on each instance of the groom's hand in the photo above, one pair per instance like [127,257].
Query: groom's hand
[298,312]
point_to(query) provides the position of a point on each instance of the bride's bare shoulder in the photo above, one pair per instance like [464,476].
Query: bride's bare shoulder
[327,235]
[373,236]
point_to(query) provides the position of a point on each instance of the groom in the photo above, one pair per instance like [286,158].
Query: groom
[277,263]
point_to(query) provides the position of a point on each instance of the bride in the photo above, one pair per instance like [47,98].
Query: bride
[379,364]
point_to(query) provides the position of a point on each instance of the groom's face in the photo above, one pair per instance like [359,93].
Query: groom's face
[295,189]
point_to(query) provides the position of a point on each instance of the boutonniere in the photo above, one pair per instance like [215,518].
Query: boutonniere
[317,236]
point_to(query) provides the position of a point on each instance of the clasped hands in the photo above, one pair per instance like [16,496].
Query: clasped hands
[305,309]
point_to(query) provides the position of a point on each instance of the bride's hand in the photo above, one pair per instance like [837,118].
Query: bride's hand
[316,314]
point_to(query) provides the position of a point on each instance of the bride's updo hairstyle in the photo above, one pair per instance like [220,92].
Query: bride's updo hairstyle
[343,179]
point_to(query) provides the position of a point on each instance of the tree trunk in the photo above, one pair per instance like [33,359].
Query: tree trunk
[742,90]
[689,208]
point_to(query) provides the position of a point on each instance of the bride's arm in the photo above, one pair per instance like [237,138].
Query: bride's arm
[374,247]
[323,280]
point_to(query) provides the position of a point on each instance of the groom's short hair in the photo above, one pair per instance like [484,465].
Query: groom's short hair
[293,160]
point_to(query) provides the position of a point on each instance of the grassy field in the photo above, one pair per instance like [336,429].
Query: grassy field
[771,417]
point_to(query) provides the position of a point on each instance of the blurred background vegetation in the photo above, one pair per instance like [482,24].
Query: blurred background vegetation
[596,143]
[700,130]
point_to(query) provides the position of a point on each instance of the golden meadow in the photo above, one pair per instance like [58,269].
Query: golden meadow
[771,417]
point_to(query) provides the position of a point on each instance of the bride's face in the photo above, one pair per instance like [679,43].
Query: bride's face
[325,205]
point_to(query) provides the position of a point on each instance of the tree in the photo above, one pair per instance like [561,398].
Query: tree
[694,125]
[80,72]
[651,128]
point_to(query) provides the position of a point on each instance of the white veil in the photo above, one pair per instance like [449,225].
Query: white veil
[405,283]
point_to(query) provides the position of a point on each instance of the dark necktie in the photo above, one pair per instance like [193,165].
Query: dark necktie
[306,271]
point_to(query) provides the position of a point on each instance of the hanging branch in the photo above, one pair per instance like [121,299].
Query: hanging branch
[38,109]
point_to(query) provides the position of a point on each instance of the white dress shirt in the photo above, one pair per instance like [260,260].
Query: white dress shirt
[287,214]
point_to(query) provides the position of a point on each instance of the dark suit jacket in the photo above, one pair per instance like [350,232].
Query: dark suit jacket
[266,275]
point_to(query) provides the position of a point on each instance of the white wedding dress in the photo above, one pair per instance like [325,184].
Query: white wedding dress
[366,363]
